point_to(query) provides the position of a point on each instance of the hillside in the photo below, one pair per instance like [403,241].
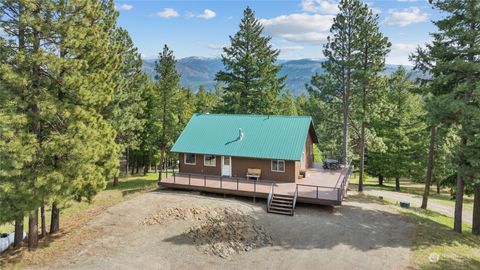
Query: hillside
[198,71]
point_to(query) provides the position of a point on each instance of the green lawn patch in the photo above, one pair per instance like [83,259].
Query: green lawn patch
[413,188]
[435,245]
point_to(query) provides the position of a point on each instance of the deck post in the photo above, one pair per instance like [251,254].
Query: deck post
[254,190]
[204,180]
[237,183]
[317,192]
[221,178]
[174,177]
[189,180]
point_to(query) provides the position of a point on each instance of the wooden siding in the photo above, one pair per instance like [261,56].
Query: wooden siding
[240,165]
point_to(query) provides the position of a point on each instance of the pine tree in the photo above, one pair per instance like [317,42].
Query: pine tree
[373,47]
[452,59]
[287,105]
[340,51]
[251,77]
[125,110]
[60,69]
[401,128]
[166,90]
[206,102]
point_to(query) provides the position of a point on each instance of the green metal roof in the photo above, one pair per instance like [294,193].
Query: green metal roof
[271,137]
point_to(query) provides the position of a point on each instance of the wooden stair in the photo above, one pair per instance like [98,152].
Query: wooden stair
[281,204]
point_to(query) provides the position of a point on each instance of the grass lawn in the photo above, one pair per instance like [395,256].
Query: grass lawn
[72,217]
[413,188]
[434,240]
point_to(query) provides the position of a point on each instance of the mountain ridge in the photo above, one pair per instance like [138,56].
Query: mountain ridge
[196,71]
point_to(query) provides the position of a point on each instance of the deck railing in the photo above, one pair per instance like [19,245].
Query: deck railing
[295,196]
[270,195]
[206,178]
[339,190]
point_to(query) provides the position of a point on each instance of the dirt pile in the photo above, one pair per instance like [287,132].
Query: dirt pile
[218,231]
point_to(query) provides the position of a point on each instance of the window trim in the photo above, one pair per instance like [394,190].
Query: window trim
[204,161]
[185,159]
[277,160]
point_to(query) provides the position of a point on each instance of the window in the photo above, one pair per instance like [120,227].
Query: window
[209,160]
[278,165]
[190,159]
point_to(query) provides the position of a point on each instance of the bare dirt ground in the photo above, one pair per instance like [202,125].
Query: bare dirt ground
[181,230]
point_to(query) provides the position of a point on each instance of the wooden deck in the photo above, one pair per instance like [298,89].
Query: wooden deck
[324,187]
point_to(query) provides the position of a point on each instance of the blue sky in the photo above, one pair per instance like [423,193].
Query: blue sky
[298,27]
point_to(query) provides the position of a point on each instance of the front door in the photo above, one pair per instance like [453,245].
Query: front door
[226,166]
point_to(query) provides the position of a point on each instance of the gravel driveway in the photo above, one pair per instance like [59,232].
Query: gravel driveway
[433,205]
[356,235]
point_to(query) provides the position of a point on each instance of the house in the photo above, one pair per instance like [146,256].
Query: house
[277,148]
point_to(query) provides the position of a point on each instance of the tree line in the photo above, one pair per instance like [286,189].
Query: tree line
[75,102]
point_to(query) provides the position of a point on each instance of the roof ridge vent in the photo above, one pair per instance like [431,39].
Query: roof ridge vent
[240,134]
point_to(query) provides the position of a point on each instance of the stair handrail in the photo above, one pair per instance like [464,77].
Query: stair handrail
[295,197]
[270,196]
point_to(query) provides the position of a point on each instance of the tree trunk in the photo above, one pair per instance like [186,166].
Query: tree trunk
[162,160]
[345,127]
[115,181]
[362,157]
[137,163]
[438,186]
[428,181]
[55,220]
[18,239]
[42,219]
[397,183]
[133,163]
[380,180]
[476,211]
[126,161]
[33,229]
[146,163]
[457,224]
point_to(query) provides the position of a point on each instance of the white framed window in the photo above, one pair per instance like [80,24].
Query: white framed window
[190,159]
[278,165]
[209,160]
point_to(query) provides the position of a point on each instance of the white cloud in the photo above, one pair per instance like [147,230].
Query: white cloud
[125,7]
[290,48]
[216,46]
[405,16]
[299,27]
[167,13]
[400,52]
[320,6]
[207,14]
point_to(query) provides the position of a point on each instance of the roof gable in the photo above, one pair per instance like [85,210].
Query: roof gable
[272,137]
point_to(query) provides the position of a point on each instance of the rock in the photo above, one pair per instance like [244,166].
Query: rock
[217,231]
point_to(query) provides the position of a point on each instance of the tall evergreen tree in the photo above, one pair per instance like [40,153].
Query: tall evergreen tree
[340,51]
[60,71]
[402,130]
[453,60]
[125,109]
[251,79]
[166,91]
[373,48]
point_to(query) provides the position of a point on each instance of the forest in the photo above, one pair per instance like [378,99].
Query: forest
[75,104]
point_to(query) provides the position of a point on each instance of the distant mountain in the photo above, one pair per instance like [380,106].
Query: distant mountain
[196,71]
